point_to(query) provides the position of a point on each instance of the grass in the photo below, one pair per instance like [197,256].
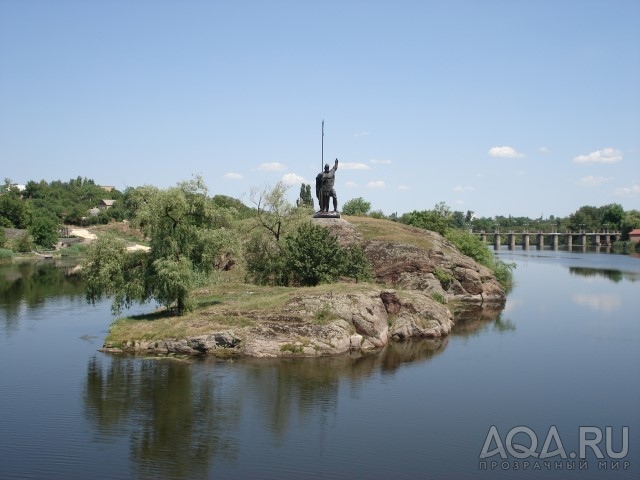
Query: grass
[386,230]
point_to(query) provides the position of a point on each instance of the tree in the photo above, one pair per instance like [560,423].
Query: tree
[355,264]
[438,220]
[13,211]
[44,231]
[273,219]
[305,199]
[612,216]
[187,236]
[312,255]
[356,207]
[630,221]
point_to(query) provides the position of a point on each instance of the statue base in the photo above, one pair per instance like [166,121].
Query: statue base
[326,215]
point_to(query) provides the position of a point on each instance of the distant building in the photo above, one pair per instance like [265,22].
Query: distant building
[634,235]
[106,204]
[94,212]
[107,188]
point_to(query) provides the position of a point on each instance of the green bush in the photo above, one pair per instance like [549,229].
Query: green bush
[470,245]
[5,254]
[445,278]
[312,255]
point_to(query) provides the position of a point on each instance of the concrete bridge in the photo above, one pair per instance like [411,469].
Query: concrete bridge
[540,239]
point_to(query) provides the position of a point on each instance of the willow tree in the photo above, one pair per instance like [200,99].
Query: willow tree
[187,236]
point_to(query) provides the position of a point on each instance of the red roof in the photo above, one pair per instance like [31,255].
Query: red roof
[635,231]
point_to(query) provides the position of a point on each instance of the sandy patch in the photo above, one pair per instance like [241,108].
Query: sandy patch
[83,233]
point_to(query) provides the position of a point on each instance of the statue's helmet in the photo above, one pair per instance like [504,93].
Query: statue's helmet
[326,167]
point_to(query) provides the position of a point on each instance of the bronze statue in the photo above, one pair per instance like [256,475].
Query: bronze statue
[324,188]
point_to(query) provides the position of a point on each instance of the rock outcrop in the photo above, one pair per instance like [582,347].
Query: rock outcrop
[408,300]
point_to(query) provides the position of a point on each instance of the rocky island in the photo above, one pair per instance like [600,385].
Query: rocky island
[418,280]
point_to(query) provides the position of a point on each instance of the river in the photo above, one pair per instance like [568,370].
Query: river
[558,365]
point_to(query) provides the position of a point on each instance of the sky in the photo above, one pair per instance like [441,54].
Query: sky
[523,108]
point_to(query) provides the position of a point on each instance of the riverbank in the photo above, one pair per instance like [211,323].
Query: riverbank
[418,277]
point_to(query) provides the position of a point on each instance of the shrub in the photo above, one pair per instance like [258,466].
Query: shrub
[5,254]
[444,277]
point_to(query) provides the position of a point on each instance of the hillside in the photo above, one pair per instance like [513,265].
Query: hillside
[419,280]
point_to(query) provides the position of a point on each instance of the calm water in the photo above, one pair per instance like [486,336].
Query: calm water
[564,353]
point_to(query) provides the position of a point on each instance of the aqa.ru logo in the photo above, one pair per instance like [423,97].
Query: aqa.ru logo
[590,437]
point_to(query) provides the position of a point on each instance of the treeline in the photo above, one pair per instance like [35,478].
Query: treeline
[42,208]
[607,218]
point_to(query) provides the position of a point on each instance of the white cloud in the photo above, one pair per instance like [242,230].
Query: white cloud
[292,179]
[351,184]
[376,184]
[361,134]
[606,155]
[505,152]
[233,176]
[380,162]
[460,188]
[272,167]
[544,150]
[459,202]
[404,187]
[628,191]
[591,181]
[353,166]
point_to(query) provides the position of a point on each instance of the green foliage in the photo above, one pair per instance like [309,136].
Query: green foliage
[630,221]
[308,256]
[324,315]
[379,214]
[44,231]
[438,297]
[188,235]
[445,278]
[5,254]
[473,247]
[13,211]
[355,263]
[23,244]
[264,261]
[110,271]
[3,237]
[172,282]
[470,245]
[305,199]
[438,220]
[357,207]
[312,255]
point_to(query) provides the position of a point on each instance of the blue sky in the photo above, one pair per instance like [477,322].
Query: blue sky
[515,107]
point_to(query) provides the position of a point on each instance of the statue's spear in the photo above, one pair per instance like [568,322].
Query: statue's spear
[322,159]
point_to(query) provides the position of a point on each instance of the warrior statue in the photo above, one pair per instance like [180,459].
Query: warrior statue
[325,190]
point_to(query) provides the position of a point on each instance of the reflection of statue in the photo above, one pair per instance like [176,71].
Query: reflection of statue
[324,188]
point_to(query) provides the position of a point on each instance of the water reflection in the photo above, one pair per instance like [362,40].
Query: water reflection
[178,415]
[33,282]
[176,421]
[609,273]
[602,302]
[471,320]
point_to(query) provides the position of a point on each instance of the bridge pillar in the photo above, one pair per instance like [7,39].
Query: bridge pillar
[496,241]
[525,241]
[540,241]
[555,241]
[607,239]
[483,237]
[512,241]
[596,239]
[568,238]
[583,239]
